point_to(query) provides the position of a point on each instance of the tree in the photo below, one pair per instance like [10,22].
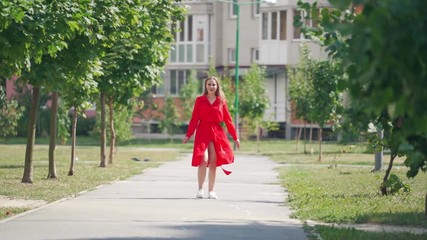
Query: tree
[139,45]
[386,69]
[38,32]
[147,108]
[188,93]
[301,88]
[254,100]
[10,113]
[170,118]
[50,26]
[326,98]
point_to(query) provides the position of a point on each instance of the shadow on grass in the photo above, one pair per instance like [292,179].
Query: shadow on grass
[11,166]
[409,219]
[328,232]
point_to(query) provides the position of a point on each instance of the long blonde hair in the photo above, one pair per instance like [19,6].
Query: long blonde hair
[218,91]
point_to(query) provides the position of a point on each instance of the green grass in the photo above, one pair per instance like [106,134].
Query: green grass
[341,188]
[351,195]
[88,174]
[10,211]
[345,234]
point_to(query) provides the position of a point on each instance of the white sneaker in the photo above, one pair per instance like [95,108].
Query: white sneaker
[212,195]
[200,194]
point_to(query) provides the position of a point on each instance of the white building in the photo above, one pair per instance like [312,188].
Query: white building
[267,37]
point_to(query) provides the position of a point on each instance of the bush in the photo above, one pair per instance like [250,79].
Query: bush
[10,113]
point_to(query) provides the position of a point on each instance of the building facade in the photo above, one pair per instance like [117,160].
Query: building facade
[207,36]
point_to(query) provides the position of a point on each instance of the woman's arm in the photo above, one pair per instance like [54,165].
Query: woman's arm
[228,123]
[194,120]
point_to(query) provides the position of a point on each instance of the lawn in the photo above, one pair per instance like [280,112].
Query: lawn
[351,195]
[338,189]
[342,189]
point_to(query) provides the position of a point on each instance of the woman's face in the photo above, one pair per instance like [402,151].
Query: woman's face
[211,85]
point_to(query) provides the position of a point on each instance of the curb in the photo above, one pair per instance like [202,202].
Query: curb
[372,227]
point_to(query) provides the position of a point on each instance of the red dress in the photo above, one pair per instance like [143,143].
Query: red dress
[207,119]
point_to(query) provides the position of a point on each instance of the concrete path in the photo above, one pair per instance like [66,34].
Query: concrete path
[161,204]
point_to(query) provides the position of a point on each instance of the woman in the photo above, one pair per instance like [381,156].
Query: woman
[211,145]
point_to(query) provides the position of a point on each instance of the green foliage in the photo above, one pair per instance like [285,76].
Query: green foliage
[85,125]
[385,67]
[314,89]
[395,185]
[253,100]
[301,86]
[10,113]
[393,87]
[189,91]
[253,96]
[64,124]
[171,117]
[327,99]
[137,47]
[122,118]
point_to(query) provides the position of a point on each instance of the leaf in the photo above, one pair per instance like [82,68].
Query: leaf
[74,26]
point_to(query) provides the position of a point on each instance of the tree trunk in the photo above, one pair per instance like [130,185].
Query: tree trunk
[52,134]
[383,188]
[103,132]
[31,136]
[112,131]
[299,137]
[320,144]
[257,137]
[425,208]
[305,138]
[73,142]
[311,141]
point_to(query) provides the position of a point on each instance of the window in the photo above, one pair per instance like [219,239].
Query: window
[274,25]
[189,53]
[234,9]
[177,79]
[254,55]
[190,28]
[256,8]
[172,54]
[264,26]
[283,25]
[182,32]
[231,55]
[200,32]
[200,56]
[191,40]
[181,55]
[158,89]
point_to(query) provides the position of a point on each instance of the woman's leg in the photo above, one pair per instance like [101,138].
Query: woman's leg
[212,166]
[201,173]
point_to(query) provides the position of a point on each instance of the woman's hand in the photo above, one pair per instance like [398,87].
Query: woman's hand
[237,142]
[185,140]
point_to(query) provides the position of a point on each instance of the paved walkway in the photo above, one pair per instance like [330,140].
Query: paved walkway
[161,204]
